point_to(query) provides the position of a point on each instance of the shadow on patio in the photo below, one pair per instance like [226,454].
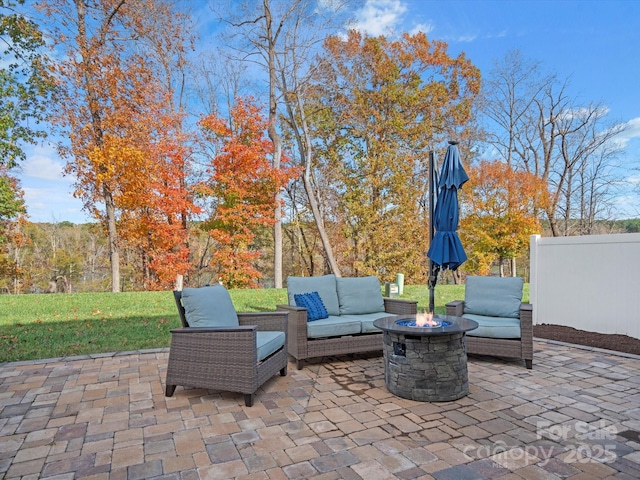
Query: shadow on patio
[575,415]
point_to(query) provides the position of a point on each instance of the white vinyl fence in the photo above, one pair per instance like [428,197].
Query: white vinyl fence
[590,283]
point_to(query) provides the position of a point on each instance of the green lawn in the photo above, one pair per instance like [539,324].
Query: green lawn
[51,326]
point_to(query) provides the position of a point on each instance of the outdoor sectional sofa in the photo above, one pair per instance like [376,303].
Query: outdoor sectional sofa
[352,304]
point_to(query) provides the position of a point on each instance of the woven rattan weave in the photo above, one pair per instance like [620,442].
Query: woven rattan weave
[502,347]
[224,358]
[302,348]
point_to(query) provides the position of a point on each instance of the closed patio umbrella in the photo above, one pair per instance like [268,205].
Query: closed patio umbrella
[445,250]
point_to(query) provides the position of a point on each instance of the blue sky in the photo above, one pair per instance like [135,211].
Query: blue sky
[593,43]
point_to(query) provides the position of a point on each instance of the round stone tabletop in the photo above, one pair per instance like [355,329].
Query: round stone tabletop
[449,325]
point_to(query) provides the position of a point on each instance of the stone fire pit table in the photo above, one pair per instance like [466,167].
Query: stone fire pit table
[426,363]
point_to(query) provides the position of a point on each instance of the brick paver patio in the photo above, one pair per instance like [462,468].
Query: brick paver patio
[575,415]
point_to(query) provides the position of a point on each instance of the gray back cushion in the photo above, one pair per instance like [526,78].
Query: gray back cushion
[209,307]
[360,295]
[493,296]
[324,285]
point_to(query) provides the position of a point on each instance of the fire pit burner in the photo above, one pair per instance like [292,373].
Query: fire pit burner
[426,361]
[416,324]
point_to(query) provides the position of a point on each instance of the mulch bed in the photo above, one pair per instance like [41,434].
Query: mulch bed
[618,343]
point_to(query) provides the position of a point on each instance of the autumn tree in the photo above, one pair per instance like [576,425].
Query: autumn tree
[25,84]
[12,217]
[111,103]
[174,205]
[269,39]
[25,90]
[499,206]
[242,186]
[154,225]
[537,125]
[378,107]
[282,36]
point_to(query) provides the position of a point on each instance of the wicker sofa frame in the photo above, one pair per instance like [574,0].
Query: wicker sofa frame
[221,358]
[521,348]
[302,348]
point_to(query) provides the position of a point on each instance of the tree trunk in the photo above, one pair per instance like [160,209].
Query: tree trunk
[277,145]
[96,124]
[304,147]
[277,244]
[320,225]
[513,267]
[114,252]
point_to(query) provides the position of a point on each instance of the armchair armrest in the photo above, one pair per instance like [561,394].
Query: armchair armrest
[455,308]
[234,346]
[275,321]
[526,307]
[400,307]
[297,316]
[194,330]
[290,308]
[297,343]
[526,331]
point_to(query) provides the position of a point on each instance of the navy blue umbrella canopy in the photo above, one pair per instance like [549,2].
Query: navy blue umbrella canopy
[446,249]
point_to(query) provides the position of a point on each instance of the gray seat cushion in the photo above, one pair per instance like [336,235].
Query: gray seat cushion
[493,296]
[494,327]
[268,342]
[333,326]
[325,285]
[359,295]
[367,319]
[209,307]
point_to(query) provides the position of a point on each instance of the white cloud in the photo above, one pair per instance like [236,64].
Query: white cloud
[42,163]
[51,204]
[331,5]
[583,112]
[421,27]
[633,179]
[379,17]
[629,137]
[465,38]
[627,206]
[632,130]
[47,193]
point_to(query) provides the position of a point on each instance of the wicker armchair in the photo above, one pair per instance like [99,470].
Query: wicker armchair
[225,358]
[486,301]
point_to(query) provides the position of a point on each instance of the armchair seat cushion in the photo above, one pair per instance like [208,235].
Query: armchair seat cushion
[333,326]
[366,320]
[494,327]
[269,342]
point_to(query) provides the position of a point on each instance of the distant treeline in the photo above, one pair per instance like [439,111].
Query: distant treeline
[67,257]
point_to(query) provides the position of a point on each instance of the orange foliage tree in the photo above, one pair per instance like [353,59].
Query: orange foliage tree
[377,107]
[153,221]
[117,115]
[242,184]
[499,213]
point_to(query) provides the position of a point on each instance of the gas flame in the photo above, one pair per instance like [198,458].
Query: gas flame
[425,320]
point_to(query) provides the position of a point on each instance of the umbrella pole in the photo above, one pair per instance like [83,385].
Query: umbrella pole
[432,275]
